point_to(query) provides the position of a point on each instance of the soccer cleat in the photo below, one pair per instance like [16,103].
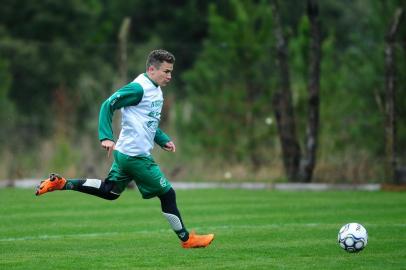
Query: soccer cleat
[198,241]
[54,182]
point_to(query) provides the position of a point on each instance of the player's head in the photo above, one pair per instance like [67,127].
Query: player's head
[159,66]
[157,57]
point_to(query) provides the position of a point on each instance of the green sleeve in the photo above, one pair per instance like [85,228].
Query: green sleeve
[129,95]
[161,138]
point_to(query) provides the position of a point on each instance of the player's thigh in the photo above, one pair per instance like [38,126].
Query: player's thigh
[148,177]
[118,176]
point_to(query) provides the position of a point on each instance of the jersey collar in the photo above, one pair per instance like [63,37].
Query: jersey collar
[154,83]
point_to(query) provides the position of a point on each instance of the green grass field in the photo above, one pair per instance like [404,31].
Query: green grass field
[255,229]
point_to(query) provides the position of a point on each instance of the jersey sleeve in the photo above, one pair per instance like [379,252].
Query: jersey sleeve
[129,95]
[161,138]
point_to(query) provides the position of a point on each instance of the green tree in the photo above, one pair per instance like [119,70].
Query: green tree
[229,85]
[7,116]
[47,53]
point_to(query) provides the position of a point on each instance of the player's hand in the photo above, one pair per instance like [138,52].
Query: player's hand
[170,147]
[109,146]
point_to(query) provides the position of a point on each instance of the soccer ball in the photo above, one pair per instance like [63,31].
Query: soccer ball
[353,237]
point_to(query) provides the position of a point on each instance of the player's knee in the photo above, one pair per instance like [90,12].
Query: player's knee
[112,196]
[110,191]
[169,196]
[168,201]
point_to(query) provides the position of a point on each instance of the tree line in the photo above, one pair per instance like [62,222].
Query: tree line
[312,87]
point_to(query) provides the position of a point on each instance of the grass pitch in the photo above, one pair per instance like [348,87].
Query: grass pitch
[254,229]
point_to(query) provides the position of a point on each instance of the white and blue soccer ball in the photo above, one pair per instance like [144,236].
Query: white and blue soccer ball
[353,237]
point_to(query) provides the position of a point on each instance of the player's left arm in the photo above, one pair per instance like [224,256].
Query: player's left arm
[170,147]
[163,140]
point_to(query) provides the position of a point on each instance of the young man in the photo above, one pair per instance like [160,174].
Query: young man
[141,103]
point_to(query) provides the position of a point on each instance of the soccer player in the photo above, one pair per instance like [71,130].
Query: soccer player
[141,103]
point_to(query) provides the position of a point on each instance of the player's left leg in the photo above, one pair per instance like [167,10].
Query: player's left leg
[151,182]
[171,213]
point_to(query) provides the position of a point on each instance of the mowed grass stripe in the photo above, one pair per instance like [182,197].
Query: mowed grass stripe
[276,228]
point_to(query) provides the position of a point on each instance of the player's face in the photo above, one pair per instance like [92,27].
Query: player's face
[162,75]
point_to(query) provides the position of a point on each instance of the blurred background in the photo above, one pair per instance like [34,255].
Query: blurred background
[262,91]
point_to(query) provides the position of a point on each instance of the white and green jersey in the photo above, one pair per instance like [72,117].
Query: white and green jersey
[141,103]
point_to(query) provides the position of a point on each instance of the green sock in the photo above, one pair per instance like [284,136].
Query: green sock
[73,183]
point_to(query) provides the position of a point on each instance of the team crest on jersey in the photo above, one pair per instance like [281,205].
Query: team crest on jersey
[152,125]
[163,182]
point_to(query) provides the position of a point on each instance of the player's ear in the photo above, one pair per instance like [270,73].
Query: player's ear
[151,68]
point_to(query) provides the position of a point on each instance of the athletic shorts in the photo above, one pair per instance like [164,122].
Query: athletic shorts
[144,171]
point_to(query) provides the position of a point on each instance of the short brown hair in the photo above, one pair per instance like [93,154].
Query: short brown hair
[157,57]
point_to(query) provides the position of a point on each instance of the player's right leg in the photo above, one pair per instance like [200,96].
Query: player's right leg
[103,189]
[54,182]
[109,189]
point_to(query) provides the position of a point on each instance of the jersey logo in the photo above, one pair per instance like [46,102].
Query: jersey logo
[157,104]
[113,99]
[163,182]
[156,115]
[152,125]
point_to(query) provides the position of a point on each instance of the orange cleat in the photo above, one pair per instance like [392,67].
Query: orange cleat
[54,182]
[198,241]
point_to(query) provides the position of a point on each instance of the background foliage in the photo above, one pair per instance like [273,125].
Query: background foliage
[59,61]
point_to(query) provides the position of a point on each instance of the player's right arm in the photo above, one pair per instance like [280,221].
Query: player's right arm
[108,145]
[129,95]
